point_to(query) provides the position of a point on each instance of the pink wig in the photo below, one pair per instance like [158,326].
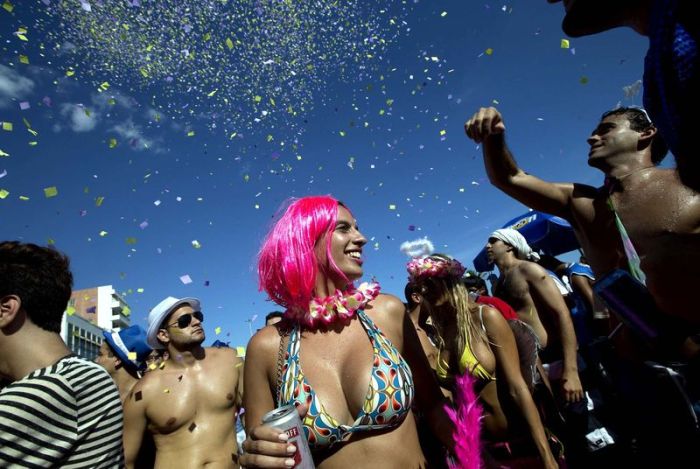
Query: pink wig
[287,263]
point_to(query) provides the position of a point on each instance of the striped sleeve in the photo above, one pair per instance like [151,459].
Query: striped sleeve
[38,422]
[66,415]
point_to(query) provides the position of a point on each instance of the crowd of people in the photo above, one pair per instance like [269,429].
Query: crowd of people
[566,365]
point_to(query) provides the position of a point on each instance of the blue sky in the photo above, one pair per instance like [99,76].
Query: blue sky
[176,167]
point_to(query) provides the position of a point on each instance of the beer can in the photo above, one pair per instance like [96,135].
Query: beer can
[286,418]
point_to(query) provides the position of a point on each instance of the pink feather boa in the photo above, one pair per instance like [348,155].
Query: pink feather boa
[467,420]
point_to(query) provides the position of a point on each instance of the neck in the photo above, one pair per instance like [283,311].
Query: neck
[622,172]
[414,314]
[506,263]
[185,358]
[31,348]
[125,382]
[325,286]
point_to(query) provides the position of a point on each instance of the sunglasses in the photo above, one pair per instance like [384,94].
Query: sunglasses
[186,319]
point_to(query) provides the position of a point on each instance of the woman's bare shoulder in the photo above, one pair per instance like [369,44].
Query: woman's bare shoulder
[389,305]
[265,341]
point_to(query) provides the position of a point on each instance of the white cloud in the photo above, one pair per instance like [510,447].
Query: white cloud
[80,118]
[132,135]
[13,86]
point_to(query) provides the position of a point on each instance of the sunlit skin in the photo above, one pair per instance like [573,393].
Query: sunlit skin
[533,295]
[498,354]
[660,214]
[108,360]
[337,363]
[189,405]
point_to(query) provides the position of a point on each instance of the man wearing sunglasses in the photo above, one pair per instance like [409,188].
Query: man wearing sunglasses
[190,402]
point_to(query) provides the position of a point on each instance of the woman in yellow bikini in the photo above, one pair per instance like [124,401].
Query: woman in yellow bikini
[476,339]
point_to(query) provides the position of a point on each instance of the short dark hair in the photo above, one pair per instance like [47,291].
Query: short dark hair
[273,314]
[41,277]
[640,121]
[409,290]
[475,282]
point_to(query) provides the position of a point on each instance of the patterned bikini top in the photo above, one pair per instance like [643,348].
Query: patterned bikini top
[388,400]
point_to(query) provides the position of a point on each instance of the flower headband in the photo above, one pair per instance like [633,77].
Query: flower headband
[422,267]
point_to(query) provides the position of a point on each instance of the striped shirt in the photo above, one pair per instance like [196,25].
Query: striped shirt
[66,415]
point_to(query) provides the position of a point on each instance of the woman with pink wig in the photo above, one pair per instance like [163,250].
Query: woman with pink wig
[347,356]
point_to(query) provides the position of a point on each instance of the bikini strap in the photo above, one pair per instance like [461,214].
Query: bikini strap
[481,318]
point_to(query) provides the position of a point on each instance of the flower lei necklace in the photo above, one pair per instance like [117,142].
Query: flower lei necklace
[341,305]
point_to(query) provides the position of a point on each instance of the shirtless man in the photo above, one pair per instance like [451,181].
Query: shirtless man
[528,288]
[660,214]
[190,404]
[671,65]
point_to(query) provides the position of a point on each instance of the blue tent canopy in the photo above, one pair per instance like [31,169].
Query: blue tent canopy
[552,235]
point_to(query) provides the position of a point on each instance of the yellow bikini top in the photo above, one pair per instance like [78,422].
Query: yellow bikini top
[467,362]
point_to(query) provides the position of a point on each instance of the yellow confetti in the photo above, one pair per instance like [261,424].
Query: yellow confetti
[7,126]
[126,311]
[112,142]
[212,93]
[132,356]
[98,201]
[162,365]
[443,132]
[190,133]
[564,43]
[33,144]
[3,194]
[70,72]
[217,330]
[2,153]
[152,366]
[144,72]
[229,43]
[50,192]
[443,14]
[166,391]
[130,240]
[24,59]
[139,290]
[489,51]
[8,6]
[103,233]
[392,207]
[23,197]
[342,133]
[583,80]
[240,351]
[196,244]
[70,311]
[111,101]
[257,99]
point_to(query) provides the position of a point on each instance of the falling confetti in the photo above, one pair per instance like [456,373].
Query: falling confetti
[273,56]
[185,279]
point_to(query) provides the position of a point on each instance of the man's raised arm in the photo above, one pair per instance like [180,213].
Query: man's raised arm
[486,127]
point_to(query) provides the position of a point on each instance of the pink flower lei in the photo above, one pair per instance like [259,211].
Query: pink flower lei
[341,305]
[421,267]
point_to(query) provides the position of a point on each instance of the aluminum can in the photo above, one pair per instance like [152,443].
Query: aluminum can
[286,418]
